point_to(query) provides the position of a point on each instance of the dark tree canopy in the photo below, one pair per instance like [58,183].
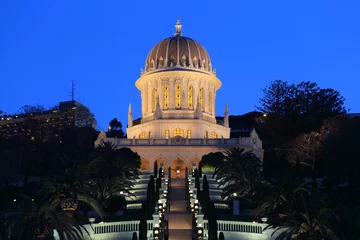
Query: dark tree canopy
[27,109]
[84,118]
[306,98]
[293,109]
[116,128]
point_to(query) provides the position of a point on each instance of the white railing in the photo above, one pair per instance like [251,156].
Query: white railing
[115,227]
[221,206]
[236,226]
[133,206]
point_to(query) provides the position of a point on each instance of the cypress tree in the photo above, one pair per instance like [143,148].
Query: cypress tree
[205,195]
[158,186]
[212,221]
[150,198]
[200,169]
[143,223]
[155,170]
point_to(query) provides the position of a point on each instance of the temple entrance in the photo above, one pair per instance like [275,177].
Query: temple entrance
[178,168]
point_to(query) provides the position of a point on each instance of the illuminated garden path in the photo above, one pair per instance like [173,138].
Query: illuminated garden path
[179,217]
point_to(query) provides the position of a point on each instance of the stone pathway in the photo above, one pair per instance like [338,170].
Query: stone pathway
[180,219]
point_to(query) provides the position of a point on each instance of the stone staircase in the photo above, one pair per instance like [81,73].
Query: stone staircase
[179,216]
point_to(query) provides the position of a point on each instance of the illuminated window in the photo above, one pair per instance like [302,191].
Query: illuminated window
[178,132]
[210,101]
[167,133]
[178,95]
[166,97]
[154,99]
[201,98]
[206,134]
[213,135]
[150,134]
[191,97]
[146,101]
[189,133]
[142,135]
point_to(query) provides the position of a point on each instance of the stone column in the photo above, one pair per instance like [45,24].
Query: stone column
[149,97]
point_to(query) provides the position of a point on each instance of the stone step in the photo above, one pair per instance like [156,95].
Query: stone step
[180,234]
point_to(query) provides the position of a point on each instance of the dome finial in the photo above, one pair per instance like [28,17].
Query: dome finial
[178,27]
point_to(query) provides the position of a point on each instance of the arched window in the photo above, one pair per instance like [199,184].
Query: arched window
[191,97]
[150,134]
[166,97]
[146,101]
[206,134]
[167,133]
[201,98]
[142,135]
[178,95]
[178,132]
[213,135]
[154,99]
[210,101]
[189,133]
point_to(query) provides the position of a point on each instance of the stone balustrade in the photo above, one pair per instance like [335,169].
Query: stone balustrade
[238,230]
[219,142]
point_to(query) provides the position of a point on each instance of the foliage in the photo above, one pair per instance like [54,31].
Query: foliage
[293,109]
[239,172]
[304,213]
[116,129]
[221,236]
[28,109]
[29,221]
[150,198]
[71,186]
[83,117]
[207,168]
[143,222]
[112,171]
[155,169]
[212,160]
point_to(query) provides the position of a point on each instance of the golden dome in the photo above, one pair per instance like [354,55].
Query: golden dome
[178,52]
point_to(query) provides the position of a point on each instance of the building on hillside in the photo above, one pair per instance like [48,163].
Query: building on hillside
[67,114]
[178,94]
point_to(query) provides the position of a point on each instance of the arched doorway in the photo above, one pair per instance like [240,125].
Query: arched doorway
[178,168]
[145,164]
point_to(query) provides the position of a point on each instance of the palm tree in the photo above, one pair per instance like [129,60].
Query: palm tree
[239,172]
[68,189]
[300,213]
[116,167]
[29,221]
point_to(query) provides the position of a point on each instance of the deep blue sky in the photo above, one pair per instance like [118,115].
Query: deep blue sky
[103,44]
